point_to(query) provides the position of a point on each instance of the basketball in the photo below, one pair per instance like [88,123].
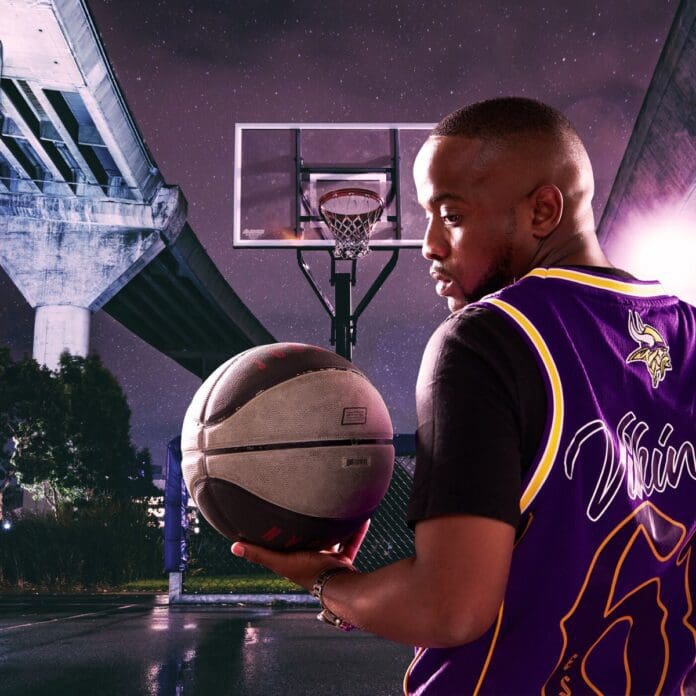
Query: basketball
[288,446]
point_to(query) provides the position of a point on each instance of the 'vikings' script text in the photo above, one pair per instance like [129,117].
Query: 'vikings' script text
[644,470]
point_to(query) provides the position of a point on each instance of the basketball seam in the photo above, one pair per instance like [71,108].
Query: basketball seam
[212,502]
[201,419]
[351,442]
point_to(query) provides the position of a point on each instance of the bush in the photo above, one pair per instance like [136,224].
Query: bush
[209,554]
[103,544]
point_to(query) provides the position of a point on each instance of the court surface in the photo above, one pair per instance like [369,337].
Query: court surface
[137,645]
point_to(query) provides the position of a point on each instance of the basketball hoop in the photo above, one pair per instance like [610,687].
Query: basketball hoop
[350,214]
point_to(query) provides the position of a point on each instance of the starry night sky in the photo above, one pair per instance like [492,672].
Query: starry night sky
[190,70]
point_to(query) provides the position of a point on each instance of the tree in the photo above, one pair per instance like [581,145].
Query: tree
[66,435]
[32,407]
[141,481]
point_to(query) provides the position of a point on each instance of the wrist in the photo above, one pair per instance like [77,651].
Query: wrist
[319,584]
[318,587]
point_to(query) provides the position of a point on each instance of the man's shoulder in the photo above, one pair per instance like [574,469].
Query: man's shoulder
[476,333]
[472,324]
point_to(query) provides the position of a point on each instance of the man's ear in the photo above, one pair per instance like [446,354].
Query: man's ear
[546,207]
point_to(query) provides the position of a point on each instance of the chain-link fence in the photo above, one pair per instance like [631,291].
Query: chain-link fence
[389,538]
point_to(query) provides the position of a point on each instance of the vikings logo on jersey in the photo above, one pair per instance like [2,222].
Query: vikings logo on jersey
[652,350]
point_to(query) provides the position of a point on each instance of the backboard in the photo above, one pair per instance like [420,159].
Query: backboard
[281,171]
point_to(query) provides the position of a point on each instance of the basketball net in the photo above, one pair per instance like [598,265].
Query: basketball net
[351,214]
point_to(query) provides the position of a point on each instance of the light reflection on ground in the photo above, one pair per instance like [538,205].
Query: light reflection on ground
[121,647]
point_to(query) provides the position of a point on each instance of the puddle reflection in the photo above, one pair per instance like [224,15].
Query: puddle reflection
[203,657]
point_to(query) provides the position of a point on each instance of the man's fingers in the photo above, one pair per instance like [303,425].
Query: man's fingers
[239,549]
[256,554]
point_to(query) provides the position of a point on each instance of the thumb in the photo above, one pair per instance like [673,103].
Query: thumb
[351,546]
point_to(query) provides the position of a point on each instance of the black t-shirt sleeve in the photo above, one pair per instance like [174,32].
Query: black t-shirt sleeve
[481,407]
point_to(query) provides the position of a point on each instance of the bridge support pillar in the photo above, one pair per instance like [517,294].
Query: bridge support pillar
[58,328]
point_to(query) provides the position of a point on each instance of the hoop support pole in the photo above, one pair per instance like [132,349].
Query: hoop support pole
[396,165]
[344,322]
[345,335]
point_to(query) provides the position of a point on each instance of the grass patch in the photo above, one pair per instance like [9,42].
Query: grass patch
[155,585]
[64,587]
[222,584]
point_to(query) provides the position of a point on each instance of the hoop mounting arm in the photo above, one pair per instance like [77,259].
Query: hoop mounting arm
[343,319]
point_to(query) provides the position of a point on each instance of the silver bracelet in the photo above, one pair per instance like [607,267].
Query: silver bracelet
[326,615]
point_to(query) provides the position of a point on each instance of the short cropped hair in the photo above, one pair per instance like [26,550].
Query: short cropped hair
[506,119]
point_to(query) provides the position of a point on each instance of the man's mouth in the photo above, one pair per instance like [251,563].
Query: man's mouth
[443,283]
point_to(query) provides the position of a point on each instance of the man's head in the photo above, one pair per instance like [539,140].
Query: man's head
[507,185]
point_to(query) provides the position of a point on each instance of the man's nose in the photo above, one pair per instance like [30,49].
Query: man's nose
[435,245]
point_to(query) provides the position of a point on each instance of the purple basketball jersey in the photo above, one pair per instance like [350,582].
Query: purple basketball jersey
[600,598]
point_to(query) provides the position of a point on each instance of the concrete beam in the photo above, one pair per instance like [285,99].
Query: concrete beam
[166,213]
[53,174]
[189,279]
[19,184]
[55,263]
[90,181]
[195,264]
[81,251]
[650,217]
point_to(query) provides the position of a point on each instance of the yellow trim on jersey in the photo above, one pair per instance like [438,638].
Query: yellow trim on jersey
[419,652]
[548,456]
[491,648]
[613,602]
[685,556]
[623,287]
[484,669]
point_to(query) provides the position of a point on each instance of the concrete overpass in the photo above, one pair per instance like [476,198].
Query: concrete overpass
[658,169]
[86,220]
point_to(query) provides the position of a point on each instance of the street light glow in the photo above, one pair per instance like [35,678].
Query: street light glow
[659,245]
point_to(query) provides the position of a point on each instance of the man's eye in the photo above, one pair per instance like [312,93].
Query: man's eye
[452,219]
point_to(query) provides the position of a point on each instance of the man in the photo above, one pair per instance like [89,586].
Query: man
[555,440]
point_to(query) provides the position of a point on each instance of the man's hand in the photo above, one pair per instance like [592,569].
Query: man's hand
[303,567]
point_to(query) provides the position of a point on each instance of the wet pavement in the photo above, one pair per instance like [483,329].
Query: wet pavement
[136,645]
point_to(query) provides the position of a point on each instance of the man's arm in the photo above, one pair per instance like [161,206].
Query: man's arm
[447,594]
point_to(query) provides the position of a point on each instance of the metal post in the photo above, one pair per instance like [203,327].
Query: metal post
[396,162]
[344,313]
[298,183]
[176,585]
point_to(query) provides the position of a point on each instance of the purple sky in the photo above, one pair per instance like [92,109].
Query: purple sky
[190,70]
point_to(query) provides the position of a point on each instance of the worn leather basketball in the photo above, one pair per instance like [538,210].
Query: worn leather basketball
[288,446]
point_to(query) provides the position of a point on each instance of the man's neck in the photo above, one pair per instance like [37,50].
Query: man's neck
[580,249]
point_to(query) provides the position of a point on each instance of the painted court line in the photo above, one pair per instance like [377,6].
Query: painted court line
[63,618]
